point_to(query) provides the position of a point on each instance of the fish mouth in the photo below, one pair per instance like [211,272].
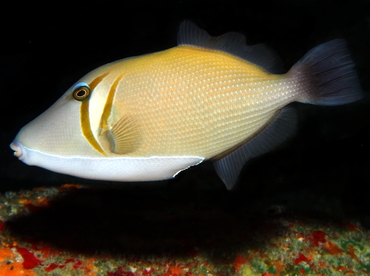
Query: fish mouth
[18,150]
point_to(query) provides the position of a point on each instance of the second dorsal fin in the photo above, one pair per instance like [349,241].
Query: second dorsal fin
[232,43]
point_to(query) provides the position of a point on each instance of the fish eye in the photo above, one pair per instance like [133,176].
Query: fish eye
[81,93]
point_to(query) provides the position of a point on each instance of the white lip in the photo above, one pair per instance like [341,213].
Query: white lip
[18,150]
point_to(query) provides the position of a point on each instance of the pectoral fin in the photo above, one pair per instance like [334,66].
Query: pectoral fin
[124,137]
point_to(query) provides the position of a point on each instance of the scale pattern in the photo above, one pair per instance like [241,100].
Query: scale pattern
[190,101]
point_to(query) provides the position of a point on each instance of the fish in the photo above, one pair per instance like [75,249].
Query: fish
[150,117]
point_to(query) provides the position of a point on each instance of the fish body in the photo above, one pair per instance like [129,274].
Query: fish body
[150,117]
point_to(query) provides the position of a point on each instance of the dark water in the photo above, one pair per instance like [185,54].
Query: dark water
[325,168]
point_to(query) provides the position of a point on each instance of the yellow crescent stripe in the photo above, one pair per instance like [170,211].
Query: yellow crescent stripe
[85,118]
[108,104]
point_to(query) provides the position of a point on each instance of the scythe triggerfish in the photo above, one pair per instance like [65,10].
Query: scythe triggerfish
[209,98]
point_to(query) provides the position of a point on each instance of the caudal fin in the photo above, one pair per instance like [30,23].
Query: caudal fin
[327,74]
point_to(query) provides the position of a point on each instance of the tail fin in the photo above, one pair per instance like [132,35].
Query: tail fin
[328,74]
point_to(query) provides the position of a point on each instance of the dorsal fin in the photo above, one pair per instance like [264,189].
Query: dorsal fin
[228,168]
[124,137]
[232,43]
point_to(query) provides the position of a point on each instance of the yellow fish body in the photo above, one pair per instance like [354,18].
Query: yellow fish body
[152,116]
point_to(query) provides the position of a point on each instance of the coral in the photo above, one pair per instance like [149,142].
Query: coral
[282,244]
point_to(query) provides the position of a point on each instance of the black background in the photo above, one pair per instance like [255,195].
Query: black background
[325,167]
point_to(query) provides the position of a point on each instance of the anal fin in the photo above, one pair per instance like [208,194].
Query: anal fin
[274,134]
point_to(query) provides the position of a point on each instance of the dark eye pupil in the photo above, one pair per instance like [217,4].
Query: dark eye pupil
[81,93]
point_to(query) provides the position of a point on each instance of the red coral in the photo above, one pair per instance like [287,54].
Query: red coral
[317,237]
[239,261]
[332,248]
[29,260]
[2,225]
[53,266]
[301,258]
